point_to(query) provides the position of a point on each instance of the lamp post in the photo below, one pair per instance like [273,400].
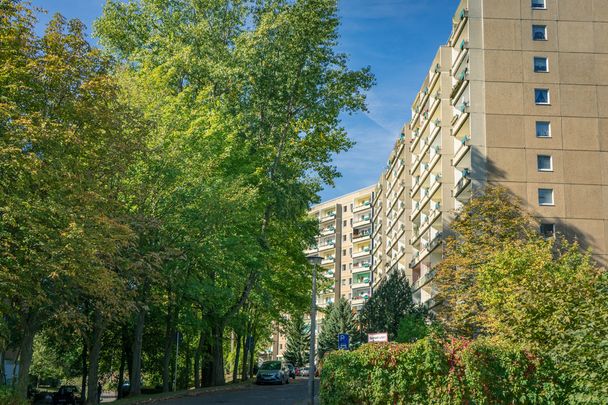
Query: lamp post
[315,261]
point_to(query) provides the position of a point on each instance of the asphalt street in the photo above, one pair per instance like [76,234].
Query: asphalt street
[294,393]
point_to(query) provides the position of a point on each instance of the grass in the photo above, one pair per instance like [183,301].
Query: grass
[150,398]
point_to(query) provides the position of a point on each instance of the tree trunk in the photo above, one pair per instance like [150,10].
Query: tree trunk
[207,370]
[169,339]
[83,385]
[244,371]
[94,354]
[121,371]
[135,378]
[235,372]
[218,355]
[188,359]
[197,361]
[26,351]
[251,355]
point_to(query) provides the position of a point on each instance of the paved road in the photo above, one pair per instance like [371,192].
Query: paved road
[295,393]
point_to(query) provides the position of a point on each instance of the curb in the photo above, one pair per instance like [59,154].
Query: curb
[193,393]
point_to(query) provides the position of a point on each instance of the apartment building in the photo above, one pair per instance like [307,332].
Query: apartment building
[518,97]
[345,244]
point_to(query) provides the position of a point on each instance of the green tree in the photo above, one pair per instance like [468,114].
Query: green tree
[339,318]
[552,297]
[491,220]
[390,303]
[297,348]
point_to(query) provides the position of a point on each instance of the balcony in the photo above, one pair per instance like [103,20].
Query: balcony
[362,253]
[462,79]
[328,260]
[462,150]
[364,220]
[462,184]
[424,280]
[462,55]
[365,206]
[361,237]
[328,231]
[361,283]
[328,217]
[327,246]
[364,267]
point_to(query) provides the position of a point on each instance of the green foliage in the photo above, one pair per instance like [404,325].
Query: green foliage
[433,371]
[9,397]
[339,318]
[413,327]
[390,303]
[298,341]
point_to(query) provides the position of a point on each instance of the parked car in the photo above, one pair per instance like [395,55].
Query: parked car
[292,370]
[67,394]
[272,372]
[304,371]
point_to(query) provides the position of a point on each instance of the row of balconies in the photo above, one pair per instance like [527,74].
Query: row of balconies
[419,205]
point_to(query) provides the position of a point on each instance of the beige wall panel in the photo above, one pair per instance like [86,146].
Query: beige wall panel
[504,131]
[580,133]
[578,101]
[603,134]
[555,142]
[583,201]
[554,71]
[527,13]
[601,37]
[575,36]
[519,190]
[504,98]
[503,66]
[582,167]
[533,175]
[577,68]
[589,232]
[578,10]
[551,45]
[558,210]
[604,164]
[501,9]
[531,107]
[602,100]
[605,201]
[600,10]
[503,34]
[601,69]
[506,164]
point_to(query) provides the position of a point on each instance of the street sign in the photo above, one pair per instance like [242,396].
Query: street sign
[377,337]
[343,341]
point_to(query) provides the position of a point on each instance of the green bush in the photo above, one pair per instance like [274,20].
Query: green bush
[8,397]
[435,371]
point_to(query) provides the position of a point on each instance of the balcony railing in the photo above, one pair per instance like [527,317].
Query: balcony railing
[462,150]
[364,206]
[328,217]
[462,183]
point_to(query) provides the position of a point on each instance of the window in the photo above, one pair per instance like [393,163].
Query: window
[539,32]
[351,222]
[541,64]
[350,251]
[343,281]
[345,223]
[281,346]
[539,4]
[345,208]
[542,97]
[544,163]
[343,267]
[545,196]
[543,129]
[343,252]
[547,230]
[344,238]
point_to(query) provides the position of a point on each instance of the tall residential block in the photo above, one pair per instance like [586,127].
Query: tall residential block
[518,97]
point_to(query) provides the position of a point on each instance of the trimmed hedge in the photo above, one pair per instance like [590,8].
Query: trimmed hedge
[435,371]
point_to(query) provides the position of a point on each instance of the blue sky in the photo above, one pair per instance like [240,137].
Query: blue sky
[397,38]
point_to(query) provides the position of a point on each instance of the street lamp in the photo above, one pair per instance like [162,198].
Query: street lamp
[315,261]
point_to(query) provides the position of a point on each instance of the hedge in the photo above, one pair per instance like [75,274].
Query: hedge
[437,371]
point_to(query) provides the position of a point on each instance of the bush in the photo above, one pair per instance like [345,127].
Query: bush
[435,371]
[9,397]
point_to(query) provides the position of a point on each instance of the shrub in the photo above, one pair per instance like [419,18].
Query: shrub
[435,371]
[9,397]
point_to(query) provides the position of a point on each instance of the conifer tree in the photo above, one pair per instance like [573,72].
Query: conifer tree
[298,341]
[339,319]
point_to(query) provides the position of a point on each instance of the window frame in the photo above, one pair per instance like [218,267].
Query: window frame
[545,31]
[552,203]
[548,102]
[546,59]
[549,135]
[546,235]
[535,7]
[538,160]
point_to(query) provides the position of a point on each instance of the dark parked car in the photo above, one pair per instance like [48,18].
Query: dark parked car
[292,370]
[67,394]
[272,372]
